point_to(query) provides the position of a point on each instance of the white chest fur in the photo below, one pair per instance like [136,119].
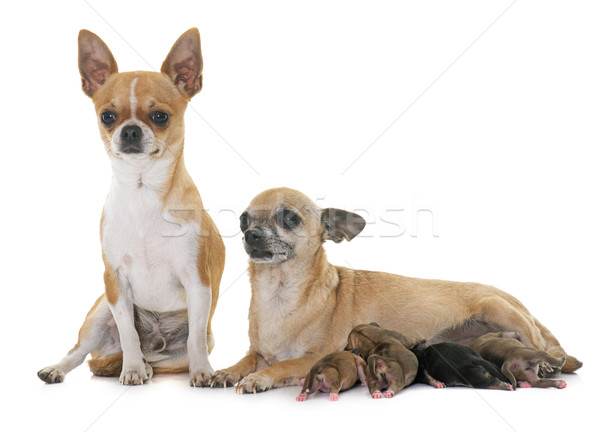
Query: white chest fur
[278,317]
[141,241]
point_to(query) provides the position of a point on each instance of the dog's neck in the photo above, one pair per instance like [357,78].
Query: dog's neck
[295,277]
[144,173]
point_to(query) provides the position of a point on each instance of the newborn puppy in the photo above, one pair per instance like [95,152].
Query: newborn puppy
[517,361]
[450,364]
[334,373]
[391,366]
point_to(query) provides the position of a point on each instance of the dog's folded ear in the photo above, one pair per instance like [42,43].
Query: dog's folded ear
[184,63]
[340,224]
[96,62]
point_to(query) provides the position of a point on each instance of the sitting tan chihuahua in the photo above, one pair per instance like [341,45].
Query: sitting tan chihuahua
[303,307]
[163,255]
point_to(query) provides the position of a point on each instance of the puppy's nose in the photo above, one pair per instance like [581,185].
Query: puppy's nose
[255,238]
[131,139]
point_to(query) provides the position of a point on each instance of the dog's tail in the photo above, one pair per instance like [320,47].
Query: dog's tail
[107,366]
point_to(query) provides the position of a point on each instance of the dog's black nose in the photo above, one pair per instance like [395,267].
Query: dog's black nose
[131,139]
[255,238]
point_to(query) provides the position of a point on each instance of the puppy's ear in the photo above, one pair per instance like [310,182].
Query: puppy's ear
[184,63]
[96,62]
[340,224]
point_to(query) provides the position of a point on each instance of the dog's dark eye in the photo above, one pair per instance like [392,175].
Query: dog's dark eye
[159,118]
[289,220]
[244,221]
[108,118]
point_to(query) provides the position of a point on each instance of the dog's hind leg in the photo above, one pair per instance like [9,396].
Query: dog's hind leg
[93,333]
[554,349]
[510,315]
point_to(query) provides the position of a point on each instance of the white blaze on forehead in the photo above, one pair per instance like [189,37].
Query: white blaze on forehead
[132,98]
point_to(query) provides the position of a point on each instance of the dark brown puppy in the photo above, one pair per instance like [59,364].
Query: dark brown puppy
[451,364]
[391,366]
[517,362]
[334,373]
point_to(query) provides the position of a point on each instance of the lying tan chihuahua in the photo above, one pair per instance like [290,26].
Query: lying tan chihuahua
[303,307]
[517,362]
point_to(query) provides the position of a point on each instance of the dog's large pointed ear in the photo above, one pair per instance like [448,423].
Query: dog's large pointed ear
[96,62]
[184,63]
[340,224]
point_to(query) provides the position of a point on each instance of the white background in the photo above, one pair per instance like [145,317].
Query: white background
[493,130]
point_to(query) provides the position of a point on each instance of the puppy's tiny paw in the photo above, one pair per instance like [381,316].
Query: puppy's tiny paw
[438,384]
[524,384]
[136,375]
[51,375]
[388,394]
[301,397]
[376,394]
[254,383]
[560,384]
[333,397]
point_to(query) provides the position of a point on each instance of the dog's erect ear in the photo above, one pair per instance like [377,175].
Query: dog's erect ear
[340,224]
[96,62]
[184,63]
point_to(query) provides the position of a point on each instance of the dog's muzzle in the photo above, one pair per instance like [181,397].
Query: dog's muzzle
[131,139]
[255,244]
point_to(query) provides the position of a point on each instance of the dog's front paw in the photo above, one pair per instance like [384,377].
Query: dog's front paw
[225,378]
[136,375]
[254,383]
[51,375]
[200,378]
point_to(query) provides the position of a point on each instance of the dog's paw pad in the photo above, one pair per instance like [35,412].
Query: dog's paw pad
[301,397]
[388,394]
[333,397]
[376,394]
[524,384]
[51,375]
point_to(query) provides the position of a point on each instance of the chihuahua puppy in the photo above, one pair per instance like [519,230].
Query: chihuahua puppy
[391,366]
[302,307]
[162,253]
[334,373]
[516,361]
[450,364]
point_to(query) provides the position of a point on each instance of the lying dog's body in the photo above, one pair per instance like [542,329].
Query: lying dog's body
[517,362]
[302,307]
[162,253]
[335,372]
[390,365]
[450,364]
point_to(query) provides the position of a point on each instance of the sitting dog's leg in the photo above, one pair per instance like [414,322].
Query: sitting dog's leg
[283,373]
[198,303]
[120,299]
[91,335]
